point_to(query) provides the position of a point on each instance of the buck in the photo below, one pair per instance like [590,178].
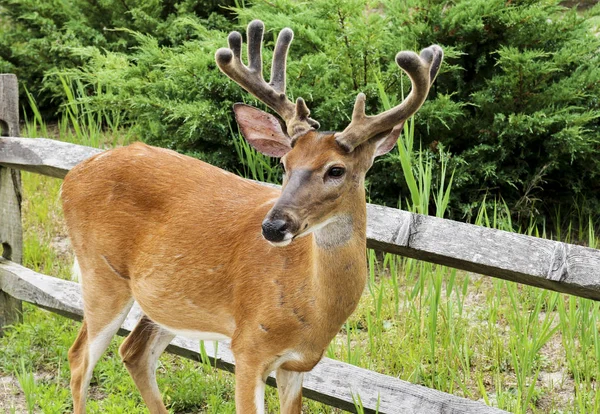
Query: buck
[210,255]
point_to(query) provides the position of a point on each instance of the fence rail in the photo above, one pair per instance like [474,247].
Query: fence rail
[524,259]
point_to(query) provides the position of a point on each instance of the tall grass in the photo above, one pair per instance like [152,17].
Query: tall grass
[79,122]
[28,385]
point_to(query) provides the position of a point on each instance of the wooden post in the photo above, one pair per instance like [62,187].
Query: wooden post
[11,231]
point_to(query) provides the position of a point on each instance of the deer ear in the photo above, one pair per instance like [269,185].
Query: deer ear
[262,131]
[385,144]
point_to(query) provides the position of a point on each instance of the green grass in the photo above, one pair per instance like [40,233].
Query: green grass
[516,347]
[28,385]
[79,123]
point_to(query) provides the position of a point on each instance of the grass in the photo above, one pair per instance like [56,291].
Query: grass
[79,122]
[519,348]
[27,383]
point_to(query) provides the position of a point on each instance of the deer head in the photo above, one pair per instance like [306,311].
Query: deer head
[324,171]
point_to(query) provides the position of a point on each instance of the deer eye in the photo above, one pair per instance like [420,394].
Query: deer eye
[336,172]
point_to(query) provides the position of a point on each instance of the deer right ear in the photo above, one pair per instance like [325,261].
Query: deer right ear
[262,131]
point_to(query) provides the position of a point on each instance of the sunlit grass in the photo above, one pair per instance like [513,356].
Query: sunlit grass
[28,385]
[79,123]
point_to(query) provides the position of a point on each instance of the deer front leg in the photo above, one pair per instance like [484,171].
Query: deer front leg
[289,387]
[249,387]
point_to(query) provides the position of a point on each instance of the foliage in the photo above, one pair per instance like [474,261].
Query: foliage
[172,97]
[514,112]
[37,37]
[534,106]
[529,78]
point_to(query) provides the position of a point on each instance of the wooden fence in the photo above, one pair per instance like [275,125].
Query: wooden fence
[529,260]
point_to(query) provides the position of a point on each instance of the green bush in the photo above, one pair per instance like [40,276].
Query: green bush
[176,97]
[516,104]
[39,37]
[531,78]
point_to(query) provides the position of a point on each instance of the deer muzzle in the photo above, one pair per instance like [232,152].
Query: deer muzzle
[279,227]
[283,222]
[275,230]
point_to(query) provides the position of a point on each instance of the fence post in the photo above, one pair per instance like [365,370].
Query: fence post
[11,231]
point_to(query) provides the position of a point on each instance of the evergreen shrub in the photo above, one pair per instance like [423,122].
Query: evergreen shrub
[516,104]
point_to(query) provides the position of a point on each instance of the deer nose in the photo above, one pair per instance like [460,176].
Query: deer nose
[274,230]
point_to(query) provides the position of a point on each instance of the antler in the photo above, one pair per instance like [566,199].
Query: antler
[296,116]
[422,71]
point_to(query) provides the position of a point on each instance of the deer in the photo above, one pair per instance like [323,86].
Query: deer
[213,256]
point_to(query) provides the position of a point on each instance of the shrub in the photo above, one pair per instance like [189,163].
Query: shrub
[531,78]
[38,37]
[516,103]
[175,96]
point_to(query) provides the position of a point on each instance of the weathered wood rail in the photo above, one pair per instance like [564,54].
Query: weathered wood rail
[544,263]
[525,259]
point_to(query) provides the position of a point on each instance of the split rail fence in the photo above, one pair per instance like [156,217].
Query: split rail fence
[524,259]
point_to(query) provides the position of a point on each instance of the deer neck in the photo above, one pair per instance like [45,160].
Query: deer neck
[340,263]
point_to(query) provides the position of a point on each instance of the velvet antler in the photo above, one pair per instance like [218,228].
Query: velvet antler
[422,71]
[295,116]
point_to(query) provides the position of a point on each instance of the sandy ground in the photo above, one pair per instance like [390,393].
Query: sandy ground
[12,399]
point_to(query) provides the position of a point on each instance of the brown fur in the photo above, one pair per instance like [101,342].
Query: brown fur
[188,237]
[183,238]
[139,352]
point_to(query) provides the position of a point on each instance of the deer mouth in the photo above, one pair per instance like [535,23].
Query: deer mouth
[282,243]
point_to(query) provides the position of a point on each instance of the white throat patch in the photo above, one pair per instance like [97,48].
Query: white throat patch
[337,231]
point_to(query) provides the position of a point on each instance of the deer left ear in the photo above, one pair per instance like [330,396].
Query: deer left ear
[262,131]
[385,144]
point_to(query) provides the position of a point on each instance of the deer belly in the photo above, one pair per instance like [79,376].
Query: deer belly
[193,334]
[191,322]
[186,314]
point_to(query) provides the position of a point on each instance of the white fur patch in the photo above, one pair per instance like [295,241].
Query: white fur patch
[76,271]
[259,397]
[287,239]
[161,340]
[98,344]
[289,385]
[200,335]
[316,227]
[287,356]
[334,232]
[101,341]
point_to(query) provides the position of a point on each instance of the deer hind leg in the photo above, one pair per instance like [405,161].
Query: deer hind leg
[140,352]
[102,319]
[289,387]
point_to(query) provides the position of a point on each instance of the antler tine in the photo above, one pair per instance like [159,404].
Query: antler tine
[255,31]
[422,71]
[278,68]
[296,116]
